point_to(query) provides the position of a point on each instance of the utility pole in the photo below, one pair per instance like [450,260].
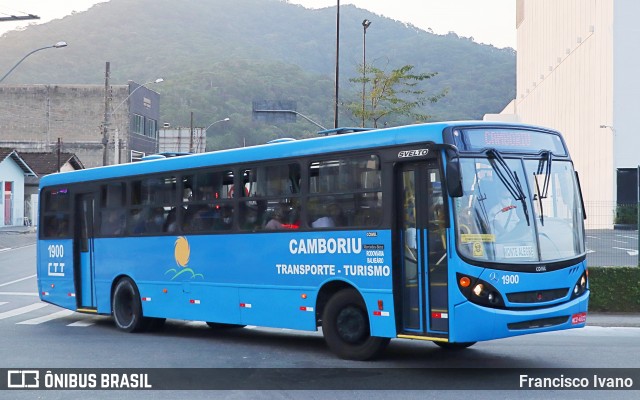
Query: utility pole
[335,115]
[105,124]
[59,149]
[191,136]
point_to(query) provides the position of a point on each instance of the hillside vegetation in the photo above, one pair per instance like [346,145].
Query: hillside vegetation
[218,56]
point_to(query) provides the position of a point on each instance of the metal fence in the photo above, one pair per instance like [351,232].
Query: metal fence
[611,234]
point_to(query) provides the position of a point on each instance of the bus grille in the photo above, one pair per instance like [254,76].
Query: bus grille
[538,323]
[537,296]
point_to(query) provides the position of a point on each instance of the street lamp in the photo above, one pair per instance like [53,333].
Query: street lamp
[205,133]
[55,46]
[133,91]
[365,24]
[105,137]
[292,112]
[213,123]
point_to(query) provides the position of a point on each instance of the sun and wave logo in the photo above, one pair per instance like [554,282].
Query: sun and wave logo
[182,253]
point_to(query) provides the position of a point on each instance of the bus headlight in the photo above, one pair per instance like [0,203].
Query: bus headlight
[478,289]
[580,287]
[479,292]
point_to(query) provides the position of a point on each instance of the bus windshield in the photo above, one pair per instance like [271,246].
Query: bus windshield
[519,211]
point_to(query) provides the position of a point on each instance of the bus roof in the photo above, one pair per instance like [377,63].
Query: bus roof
[296,148]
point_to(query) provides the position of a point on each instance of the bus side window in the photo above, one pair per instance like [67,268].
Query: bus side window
[112,214]
[208,208]
[112,222]
[345,192]
[56,207]
[270,198]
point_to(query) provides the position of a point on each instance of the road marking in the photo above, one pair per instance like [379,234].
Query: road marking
[82,324]
[19,294]
[628,237]
[631,252]
[45,318]
[3,302]
[5,249]
[590,251]
[18,280]
[22,310]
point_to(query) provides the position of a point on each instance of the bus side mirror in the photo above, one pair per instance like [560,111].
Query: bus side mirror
[454,177]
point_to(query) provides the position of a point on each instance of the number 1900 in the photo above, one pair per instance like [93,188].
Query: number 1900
[56,250]
[510,279]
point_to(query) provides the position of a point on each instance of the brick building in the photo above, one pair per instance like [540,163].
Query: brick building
[33,117]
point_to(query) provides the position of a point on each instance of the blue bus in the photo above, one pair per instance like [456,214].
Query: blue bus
[452,232]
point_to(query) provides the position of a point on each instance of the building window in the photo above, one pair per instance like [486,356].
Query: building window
[152,128]
[138,124]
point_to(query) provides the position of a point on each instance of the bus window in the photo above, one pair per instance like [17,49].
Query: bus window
[207,208]
[152,201]
[56,216]
[345,192]
[270,198]
[112,213]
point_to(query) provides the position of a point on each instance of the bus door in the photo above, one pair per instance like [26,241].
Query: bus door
[423,250]
[84,251]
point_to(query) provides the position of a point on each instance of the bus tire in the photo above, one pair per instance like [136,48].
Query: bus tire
[221,326]
[127,307]
[345,326]
[454,346]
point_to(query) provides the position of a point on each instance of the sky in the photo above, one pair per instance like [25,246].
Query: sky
[487,21]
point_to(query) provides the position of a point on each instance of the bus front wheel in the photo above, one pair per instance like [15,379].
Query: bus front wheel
[345,326]
[127,307]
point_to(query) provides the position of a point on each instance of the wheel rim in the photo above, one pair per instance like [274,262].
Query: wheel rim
[352,325]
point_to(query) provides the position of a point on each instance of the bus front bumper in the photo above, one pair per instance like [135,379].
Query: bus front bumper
[474,323]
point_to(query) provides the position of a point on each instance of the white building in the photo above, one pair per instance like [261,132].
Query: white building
[182,140]
[578,71]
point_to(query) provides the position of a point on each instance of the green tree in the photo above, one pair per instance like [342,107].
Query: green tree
[395,93]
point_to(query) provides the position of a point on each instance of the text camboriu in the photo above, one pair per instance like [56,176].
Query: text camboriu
[324,246]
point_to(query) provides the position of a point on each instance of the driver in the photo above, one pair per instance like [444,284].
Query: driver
[504,216]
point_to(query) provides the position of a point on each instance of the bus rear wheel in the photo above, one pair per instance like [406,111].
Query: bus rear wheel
[345,326]
[127,307]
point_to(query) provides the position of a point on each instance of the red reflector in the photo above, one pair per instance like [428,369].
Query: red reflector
[377,313]
[579,318]
[303,308]
[436,315]
[380,305]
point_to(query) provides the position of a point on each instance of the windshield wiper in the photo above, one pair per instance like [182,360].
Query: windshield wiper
[481,197]
[508,178]
[545,161]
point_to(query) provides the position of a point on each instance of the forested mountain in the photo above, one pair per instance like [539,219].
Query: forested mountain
[218,56]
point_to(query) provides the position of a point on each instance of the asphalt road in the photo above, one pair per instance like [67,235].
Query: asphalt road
[609,247]
[35,335]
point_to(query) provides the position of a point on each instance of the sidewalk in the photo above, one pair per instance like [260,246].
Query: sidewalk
[17,236]
[611,319]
